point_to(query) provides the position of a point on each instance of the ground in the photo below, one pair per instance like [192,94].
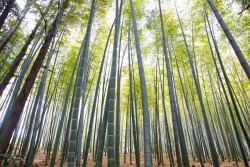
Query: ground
[40,162]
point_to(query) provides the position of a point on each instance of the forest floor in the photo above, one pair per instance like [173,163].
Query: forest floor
[40,162]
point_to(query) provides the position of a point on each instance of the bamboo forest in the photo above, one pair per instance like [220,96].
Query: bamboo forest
[119,83]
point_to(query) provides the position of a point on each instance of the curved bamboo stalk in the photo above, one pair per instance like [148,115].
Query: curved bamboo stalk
[18,106]
[231,40]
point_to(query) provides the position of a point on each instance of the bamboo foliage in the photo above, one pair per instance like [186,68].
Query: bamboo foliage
[151,83]
[231,40]
[20,102]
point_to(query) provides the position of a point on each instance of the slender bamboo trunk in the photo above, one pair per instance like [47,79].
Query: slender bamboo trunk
[231,40]
[233,100]
[39,108]
[112,92]
[6,11]
[18,106]
[146,116]
[136,146]
[16,62]
[118,97]
[5,81]
[81,81]
[171,93]
[95,102]
[197,86]
[14,28]
[169,146]
[60,125]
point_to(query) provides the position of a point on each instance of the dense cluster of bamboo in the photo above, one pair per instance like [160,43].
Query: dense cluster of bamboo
[41,108]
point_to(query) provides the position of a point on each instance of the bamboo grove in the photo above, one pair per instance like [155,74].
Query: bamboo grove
[145,82]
